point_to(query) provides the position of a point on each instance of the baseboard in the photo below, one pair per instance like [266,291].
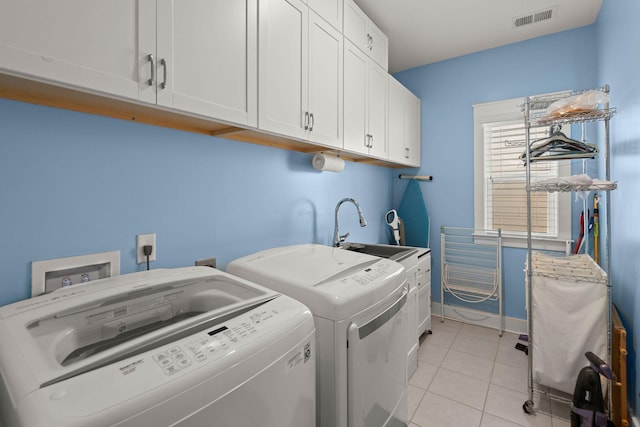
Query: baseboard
[489,320]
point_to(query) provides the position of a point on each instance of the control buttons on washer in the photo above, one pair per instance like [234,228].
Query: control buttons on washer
[200,349]
[170,370]
[257,318]
[172,360]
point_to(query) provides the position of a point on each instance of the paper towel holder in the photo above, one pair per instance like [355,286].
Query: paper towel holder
[327,161]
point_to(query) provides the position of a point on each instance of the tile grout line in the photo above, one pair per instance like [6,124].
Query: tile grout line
[456,335]
[440,367]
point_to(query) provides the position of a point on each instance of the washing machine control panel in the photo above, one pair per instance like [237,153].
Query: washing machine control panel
[371,274]
[214,343]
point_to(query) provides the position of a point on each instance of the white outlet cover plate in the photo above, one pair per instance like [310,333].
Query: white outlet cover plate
[39,269]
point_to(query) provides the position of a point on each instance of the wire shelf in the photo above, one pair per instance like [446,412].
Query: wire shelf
[573,117]
[566,188]
[538,111]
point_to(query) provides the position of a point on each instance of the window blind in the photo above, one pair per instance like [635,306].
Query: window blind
[505,181]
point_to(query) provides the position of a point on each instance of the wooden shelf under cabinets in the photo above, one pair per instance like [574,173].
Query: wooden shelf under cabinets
[50,95]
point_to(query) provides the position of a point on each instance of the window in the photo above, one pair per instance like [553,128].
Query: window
[500,180]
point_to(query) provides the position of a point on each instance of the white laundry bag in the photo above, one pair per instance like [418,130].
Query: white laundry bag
[569,316]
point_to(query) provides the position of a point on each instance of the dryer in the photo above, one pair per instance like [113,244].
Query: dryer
[358,303]
[178,347]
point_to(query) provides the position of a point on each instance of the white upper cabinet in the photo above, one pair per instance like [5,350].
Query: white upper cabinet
[365,34]
[300,79]
[88,44]
[365,104]
[307,70]
[413,131]
[404,125]
[198,56]
[207,58]
[325,82]
[282,56]
[329,10]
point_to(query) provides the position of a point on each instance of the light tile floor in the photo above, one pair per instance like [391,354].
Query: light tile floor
[469,376]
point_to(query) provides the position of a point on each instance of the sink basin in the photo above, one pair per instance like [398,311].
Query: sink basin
[394,253]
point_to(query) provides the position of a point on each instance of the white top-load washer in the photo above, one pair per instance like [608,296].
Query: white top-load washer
[358,303]
[177,347]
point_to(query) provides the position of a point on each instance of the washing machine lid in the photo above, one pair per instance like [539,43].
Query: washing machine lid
[334,283]
[50,338]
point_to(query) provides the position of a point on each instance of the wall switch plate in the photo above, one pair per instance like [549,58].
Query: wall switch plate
[207,262]
[143,240]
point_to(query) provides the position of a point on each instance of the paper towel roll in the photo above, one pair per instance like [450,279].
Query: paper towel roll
[327,162]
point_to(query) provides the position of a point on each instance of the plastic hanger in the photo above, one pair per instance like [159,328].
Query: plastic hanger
[558,145]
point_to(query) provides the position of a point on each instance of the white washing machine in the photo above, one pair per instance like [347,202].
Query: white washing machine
[358,302]
[179,347]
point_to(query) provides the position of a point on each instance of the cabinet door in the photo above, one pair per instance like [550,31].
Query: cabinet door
[424,294]
[329,10]
[413,131]
[378,46]
[325,82]
[377,118]
[89,44]
[355,99]
[396,123]
[282,61]
[207,58]
[355,25]
[365,34]
[403,125]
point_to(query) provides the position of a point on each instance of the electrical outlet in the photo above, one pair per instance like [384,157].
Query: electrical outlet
[207,262]
[143,240]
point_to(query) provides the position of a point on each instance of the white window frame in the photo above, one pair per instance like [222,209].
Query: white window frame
[508,111]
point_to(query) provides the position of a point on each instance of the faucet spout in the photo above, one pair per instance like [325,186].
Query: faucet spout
[337,238]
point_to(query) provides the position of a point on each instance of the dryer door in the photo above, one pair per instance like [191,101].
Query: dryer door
[376,367]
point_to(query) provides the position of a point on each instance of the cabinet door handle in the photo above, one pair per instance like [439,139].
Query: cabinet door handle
[370,41]
[370,141]
[406,156]
[366,140]
[312,121]
[306,120]
[163,62]
[153,69]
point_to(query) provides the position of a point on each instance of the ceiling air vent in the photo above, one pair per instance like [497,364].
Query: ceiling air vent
[532,18]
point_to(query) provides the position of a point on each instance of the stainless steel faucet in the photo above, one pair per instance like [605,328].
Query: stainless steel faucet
[337,238]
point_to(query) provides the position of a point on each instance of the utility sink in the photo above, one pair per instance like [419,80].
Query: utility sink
[394,253]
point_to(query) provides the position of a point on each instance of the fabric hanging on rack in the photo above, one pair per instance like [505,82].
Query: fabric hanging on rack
[558,145]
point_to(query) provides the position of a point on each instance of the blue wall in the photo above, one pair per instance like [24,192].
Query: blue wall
[74,184]
[448,90]
[619,65]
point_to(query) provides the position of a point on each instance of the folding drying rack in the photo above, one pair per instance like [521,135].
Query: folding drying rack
[471,269]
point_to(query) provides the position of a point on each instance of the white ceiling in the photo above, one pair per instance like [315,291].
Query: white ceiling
[425,31]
